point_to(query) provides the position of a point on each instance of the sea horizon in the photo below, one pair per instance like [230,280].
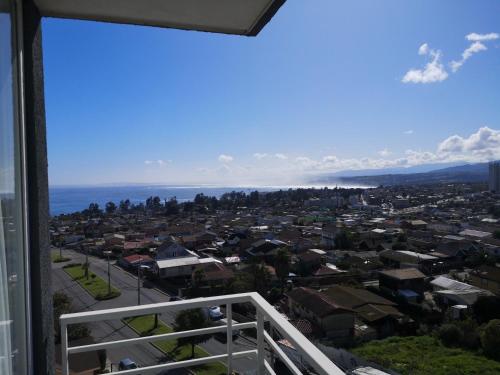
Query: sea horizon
[66,199]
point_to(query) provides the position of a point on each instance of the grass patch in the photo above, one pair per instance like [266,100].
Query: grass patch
[422,355]
[96,286]
[143,325]
[56,258]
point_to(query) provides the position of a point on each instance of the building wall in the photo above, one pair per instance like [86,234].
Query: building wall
[494,176]
[483,283]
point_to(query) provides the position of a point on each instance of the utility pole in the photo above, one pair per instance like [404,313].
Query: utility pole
[109,273]
[139,281]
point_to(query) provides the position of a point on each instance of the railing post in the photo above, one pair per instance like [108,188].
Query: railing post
[64,349]
[229,317]
[261,355]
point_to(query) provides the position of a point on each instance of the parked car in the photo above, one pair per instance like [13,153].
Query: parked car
[214,313]
[127,364]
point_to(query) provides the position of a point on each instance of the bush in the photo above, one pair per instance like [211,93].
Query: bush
[105,296]
[470,334]
[486,308]
[450,335]
[69,265]
[490,339]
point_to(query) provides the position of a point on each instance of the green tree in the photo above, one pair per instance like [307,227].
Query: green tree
[110,207]
[62,305]
[343,240]
[490,339]
[486,308]
[450,335]
[282,266]
[124,205]
[187,320]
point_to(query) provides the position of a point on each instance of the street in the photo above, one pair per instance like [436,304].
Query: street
[143,354]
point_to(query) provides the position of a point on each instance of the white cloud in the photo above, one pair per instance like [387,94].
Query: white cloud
[260,155]
[471,50]
[433,71]
[474,37]
[385,152]
[485,143]
[225,158]
[281,156]
[159,162]
[408,132]
[424,49]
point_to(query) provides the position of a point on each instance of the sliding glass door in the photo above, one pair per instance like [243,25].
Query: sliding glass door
[14,357]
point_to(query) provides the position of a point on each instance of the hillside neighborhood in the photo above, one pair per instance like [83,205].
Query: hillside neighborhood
[344,266]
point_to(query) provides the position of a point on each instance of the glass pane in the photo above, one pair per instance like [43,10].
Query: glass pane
[12,289]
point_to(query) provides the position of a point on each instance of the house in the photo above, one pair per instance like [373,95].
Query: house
[475,234]
[453,292]
[406,282]
[486,277]
[377,312]
[311,260]
[179,267]
[328,234]
[132,262]
[214,273]
[406,258]
[265,248]
[335,321]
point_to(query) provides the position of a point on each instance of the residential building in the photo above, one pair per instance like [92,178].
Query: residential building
[486,277]
[406,282]
[494,176]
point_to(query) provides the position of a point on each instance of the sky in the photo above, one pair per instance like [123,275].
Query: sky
[355,84]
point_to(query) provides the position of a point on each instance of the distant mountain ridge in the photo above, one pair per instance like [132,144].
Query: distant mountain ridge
[452,174]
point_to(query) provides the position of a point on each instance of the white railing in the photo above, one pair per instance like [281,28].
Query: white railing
[264,312]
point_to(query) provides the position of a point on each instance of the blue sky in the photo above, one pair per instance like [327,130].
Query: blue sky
[338,85]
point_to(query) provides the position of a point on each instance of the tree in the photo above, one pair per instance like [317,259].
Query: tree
[261,278]
[450,335]
[343,240]
[62,305]
[124,205]
[171,207]
[282,266]
[490,339]
[198,276]
[187,320]
[486,308]
[110,207]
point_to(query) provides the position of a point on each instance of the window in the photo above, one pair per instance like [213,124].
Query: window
[13,331]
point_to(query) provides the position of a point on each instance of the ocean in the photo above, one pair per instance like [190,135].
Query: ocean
[64,200]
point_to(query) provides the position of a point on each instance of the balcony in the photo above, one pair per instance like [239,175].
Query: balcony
[315,359]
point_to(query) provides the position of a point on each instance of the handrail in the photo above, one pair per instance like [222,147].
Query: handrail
[264,311]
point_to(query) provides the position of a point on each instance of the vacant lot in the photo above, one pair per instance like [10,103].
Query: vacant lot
[422,355]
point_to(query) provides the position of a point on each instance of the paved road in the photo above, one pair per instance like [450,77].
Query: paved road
[144,354]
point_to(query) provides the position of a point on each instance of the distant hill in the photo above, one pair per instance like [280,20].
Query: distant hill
[452,174]
[401,170]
